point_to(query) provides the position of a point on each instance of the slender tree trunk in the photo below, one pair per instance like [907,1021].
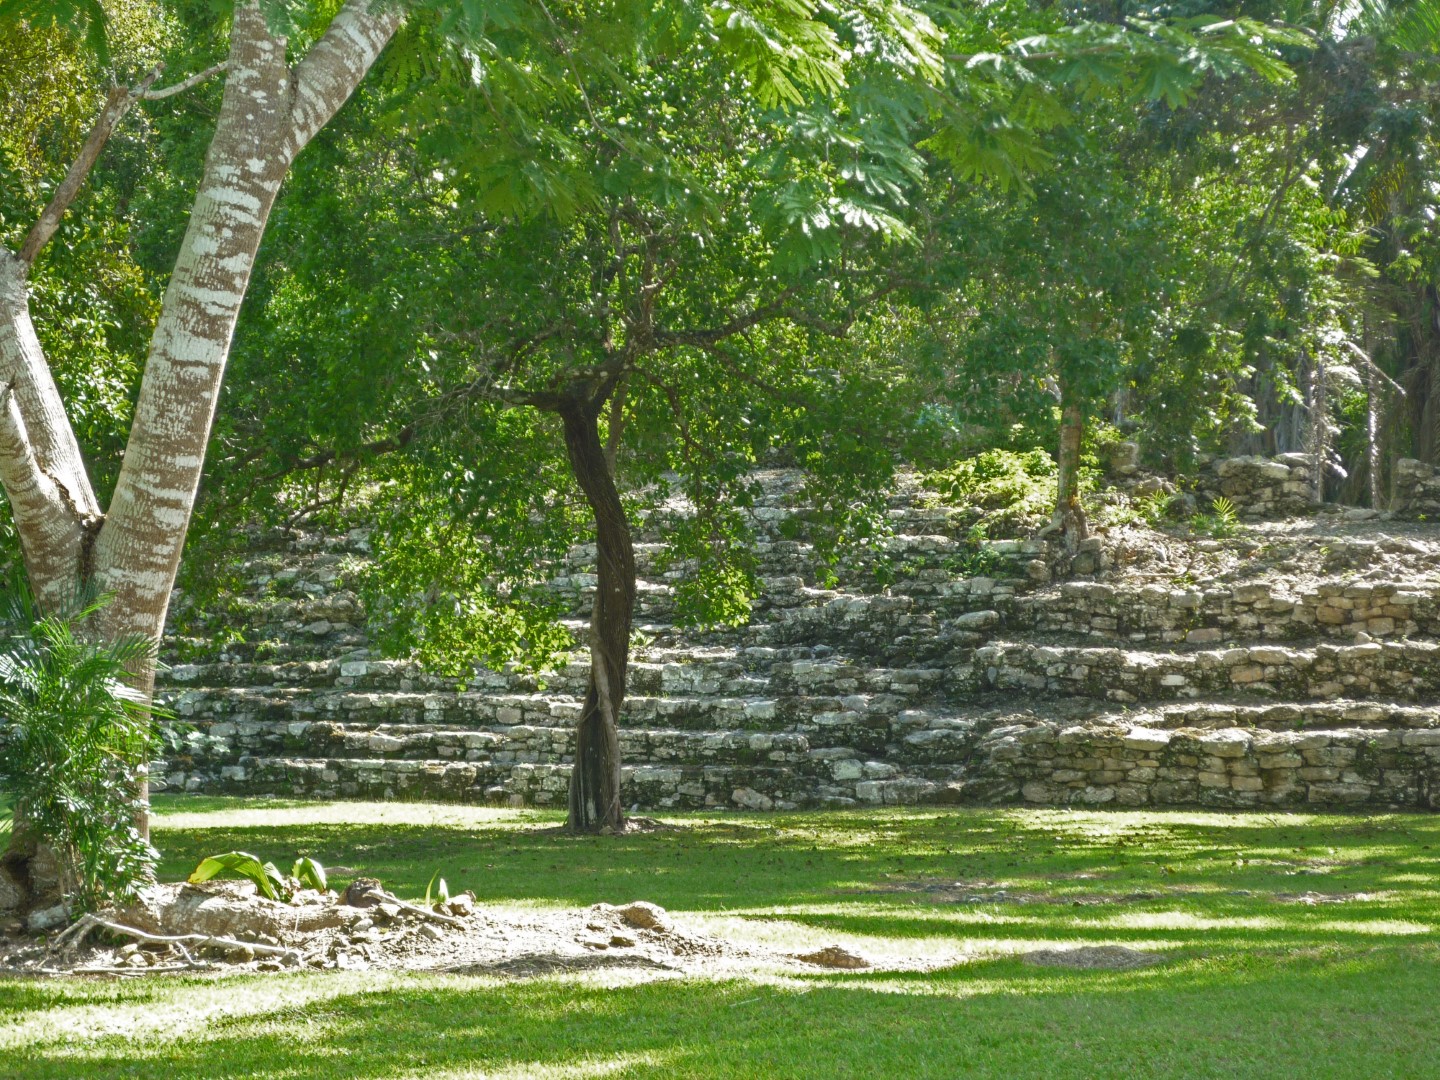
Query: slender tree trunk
[1372,434]
[268,113]
[595,778]
[1069,517]
[1317,440]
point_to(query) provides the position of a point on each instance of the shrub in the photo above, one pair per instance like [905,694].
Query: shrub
[71,734]
[1013,490]
[1221,523]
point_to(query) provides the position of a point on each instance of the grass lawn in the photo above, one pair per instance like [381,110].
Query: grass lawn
[1264,975]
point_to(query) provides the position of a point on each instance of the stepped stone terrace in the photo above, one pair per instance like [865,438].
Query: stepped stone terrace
[1294,665]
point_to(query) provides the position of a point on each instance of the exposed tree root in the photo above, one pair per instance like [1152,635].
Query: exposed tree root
[380,896]
[76,935]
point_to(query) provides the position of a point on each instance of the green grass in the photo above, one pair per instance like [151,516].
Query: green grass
[1255,985]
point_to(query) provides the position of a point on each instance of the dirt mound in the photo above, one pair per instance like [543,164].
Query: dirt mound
[226,926]
[834,957]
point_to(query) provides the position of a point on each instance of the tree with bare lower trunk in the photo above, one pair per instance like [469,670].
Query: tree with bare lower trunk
[131,549]
[569,379]
[1069,517]
[651,264]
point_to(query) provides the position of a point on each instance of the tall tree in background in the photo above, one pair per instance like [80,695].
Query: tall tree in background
[269,111]
[657,272]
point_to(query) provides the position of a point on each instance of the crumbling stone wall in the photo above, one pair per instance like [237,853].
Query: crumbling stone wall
[1147,766]
[1417,491]
[1261,487]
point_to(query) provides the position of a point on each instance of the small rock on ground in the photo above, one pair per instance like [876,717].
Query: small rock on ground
[644,915]
[834,957]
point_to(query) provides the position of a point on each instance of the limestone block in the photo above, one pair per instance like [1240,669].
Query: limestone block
[1249,673]
[1037,791]
[977,620]
[1142,738]
[846,769]
[1225,744]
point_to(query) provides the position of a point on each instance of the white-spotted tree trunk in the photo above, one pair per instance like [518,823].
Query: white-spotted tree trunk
[269,111]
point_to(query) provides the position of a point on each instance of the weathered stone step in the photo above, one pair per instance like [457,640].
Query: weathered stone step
[182,650]
[1033,759]
[689,670]
[772,787]
[862,720]
[907,554]
[513,744]
[694,671]
[1130,764]
[1274,610]
[1368,715]
[913,514]
[1404,671]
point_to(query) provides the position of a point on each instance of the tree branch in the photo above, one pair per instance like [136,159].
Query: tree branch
[181,87]
[334,66]
[51,536]
[117,104]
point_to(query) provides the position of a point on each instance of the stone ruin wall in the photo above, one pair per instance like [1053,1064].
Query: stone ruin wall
[1417,491]
[1005,688]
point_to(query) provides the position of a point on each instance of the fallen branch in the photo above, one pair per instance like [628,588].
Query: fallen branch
[132,972]
[93,922]
[434,916]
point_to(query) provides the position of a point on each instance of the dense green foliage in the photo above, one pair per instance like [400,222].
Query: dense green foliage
[757,234]
[70,729]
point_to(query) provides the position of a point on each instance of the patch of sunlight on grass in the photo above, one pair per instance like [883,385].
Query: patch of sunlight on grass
[964,916]
[172,814]
[1375,926]
[173,1008]
[1043,981]
[792,937]
[1184,920]
[613,1065]
[1112,823]
[923,953]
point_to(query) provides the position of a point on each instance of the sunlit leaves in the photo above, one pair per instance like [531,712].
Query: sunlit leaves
[84,19]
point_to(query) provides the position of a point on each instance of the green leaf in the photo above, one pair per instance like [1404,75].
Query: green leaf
[239,864]
[309,872]
[84,19]
[277,879]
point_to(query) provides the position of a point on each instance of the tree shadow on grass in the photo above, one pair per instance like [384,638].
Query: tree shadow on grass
[1337,1015]
[796,859]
